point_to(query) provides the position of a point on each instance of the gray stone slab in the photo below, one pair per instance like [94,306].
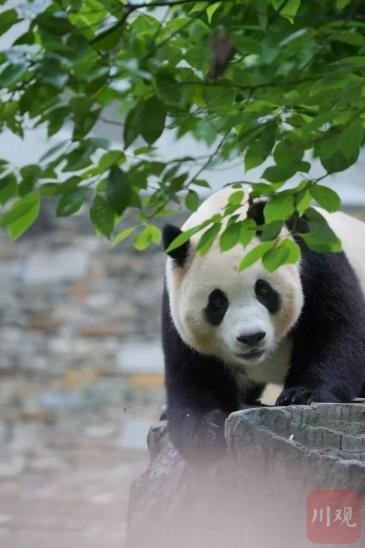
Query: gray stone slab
[256,495]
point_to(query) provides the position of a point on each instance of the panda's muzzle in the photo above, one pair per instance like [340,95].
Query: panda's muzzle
[252,355]
[252,339]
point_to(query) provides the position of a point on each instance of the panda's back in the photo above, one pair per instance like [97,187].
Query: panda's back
[351,232]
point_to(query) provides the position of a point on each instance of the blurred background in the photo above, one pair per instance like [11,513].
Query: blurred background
[81,381]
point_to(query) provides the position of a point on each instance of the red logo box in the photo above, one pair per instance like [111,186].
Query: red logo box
[333,516]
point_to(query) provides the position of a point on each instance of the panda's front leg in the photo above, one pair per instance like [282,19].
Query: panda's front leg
[199,399]
[329,372]
[317,379]
[198,434]
[200,395]
[201,392]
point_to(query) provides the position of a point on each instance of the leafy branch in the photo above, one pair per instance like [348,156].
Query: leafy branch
[288,87]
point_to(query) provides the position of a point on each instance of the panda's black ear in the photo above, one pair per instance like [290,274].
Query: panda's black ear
[256,211]
[169,233]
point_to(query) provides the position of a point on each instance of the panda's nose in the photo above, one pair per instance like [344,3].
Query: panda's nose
[252,338]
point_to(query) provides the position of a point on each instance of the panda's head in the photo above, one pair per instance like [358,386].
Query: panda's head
[239,317]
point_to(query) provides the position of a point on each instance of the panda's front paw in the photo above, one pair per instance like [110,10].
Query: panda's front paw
[199,436]
[302,395]
[296,395]
[212,428]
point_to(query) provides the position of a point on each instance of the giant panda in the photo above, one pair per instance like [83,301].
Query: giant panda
[226,334]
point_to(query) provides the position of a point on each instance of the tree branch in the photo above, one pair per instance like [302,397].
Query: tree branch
[130,8]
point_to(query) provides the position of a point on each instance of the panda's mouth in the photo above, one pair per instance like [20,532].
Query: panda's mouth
[251,355]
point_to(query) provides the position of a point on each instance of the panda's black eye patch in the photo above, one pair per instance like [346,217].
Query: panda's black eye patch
[216,307]
[267,296]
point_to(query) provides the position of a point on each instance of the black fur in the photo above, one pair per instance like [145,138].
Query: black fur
[267,296]
[328,356]
[217,307]
[180,254]
[327,362]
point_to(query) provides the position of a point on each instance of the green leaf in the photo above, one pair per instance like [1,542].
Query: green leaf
[271,230]
[19,209]
[22,223]
[71,201]
[351,139]
[183,238]
[326,197]
[280,207]
[230,237]
[294,251]
[146,119]
[21,215]
[192,200]
[255,254]
[212,9]
[133,126]
[78,159]
[123,235]
[57,189]
[207,239]
[284,253]
[108,39]
[259,150]
[302,201]
[150,234]
[341,4]
[30,175]
[198,6]
[281,173]
[102,215]
[247,231]
[10,75]
[118,190]
[110,158]
[338,161]
[275,257]
[350,37]
[321,237]
[153,113]
[248,44]
[287,9]
[201,183]
[236,198]
[8,188]
[340,147]
[8,18]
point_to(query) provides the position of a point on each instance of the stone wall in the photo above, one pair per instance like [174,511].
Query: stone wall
[81,380]
[79,328]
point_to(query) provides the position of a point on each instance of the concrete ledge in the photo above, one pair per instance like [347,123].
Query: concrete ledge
[256,497]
